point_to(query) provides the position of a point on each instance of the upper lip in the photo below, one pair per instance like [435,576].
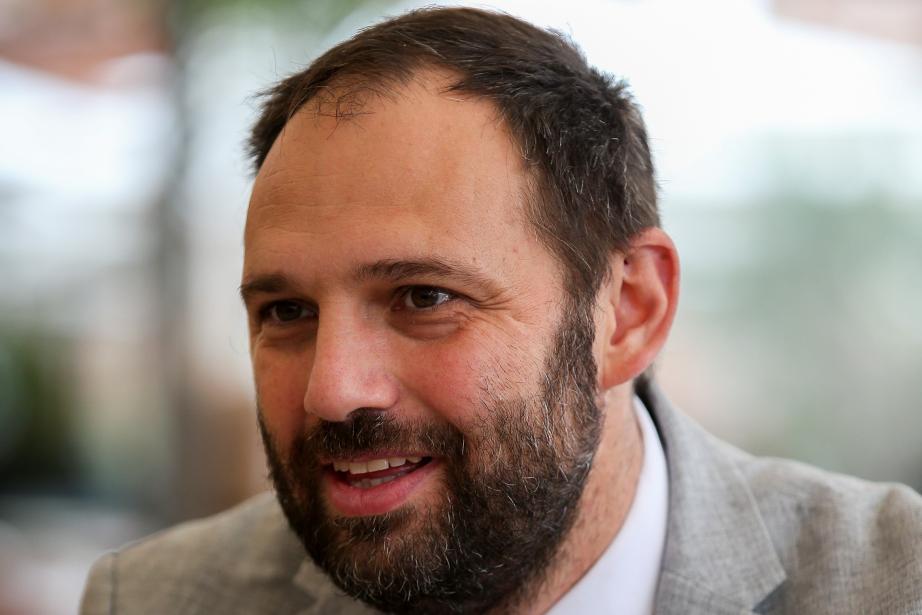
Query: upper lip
[376,455]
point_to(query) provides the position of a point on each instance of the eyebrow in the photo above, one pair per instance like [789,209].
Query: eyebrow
[400,270]
[389,269]
[265,284]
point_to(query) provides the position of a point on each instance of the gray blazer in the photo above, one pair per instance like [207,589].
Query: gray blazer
[745,535]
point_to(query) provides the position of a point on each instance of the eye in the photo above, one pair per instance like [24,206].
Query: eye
[424,297]
[284,312]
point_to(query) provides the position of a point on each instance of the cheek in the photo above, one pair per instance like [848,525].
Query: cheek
[447,384]
[281,382]
[461,381]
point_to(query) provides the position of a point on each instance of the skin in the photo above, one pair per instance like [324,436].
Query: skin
[422,176]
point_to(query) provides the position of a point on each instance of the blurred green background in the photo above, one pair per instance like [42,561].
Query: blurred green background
[788,138]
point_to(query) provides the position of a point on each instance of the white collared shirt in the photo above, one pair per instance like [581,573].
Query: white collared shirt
[624,578]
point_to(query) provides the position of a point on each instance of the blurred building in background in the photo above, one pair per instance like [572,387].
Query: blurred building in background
[788,137]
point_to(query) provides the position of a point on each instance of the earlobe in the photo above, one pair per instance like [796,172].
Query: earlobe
[642,297]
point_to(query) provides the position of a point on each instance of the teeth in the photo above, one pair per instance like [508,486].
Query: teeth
[396,462]
[376,465]
[373,465]
[358,467]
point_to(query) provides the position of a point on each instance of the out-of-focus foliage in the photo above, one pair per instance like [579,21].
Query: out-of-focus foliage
[807,305]
[37,450]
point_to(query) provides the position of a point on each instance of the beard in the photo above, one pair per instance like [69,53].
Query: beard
[511,485]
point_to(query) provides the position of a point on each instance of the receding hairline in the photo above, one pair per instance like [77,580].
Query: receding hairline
[375,93]
[349,94]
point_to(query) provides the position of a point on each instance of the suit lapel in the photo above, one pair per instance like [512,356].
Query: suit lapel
[718,557]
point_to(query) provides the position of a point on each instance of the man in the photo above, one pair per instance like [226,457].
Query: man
[455,281]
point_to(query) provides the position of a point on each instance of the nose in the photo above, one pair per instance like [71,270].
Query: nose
[349,371]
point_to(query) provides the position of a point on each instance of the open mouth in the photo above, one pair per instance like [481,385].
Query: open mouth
[370,473]
[374,485]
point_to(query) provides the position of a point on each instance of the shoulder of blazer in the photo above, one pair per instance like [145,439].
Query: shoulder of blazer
[243,560]
[748,534]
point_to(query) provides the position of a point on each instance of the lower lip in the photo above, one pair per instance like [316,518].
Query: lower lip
[352,501]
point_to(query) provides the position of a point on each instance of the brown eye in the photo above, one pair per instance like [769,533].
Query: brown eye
[286,311]
[425,297]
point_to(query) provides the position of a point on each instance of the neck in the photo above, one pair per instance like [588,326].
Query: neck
[606,500]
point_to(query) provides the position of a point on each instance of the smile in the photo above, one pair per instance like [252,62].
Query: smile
[374,472]
[359,487]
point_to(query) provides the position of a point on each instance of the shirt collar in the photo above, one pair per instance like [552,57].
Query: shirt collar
[624,578]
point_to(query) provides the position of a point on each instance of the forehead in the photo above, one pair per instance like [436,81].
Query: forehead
[419,169]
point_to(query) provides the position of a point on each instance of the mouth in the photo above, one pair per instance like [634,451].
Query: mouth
[374,472]
[375,484]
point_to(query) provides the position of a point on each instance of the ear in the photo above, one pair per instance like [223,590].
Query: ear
[637,306]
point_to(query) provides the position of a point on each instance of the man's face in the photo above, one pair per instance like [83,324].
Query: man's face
[427,395]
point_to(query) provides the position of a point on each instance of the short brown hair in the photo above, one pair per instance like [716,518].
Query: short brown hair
[579,130]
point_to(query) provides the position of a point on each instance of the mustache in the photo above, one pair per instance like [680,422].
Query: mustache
[368,431]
